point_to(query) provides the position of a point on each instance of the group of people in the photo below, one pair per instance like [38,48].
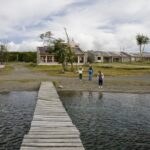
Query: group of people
[100,75]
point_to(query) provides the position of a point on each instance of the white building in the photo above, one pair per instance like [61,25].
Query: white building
[46,58]
[108,56]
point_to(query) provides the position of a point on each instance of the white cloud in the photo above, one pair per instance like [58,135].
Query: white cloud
[99,24]
[24,46]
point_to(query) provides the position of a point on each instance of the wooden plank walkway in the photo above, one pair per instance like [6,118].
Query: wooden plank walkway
[51,127]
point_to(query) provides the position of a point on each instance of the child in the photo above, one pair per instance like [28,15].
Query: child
[90,73]
[80,73]
[100,79]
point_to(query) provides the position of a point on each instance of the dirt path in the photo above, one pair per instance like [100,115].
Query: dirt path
[24,79]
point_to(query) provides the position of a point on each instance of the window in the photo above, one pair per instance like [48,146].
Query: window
[49,59]
[98,58]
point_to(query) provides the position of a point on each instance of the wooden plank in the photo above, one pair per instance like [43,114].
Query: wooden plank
[53,144]
[52,114]
[53,133]
[63,136]
[54,129]
[76,140]
[52,119]
[51,148]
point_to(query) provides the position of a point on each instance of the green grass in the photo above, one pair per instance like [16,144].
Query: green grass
[119,69]
[109,69]
[8,69]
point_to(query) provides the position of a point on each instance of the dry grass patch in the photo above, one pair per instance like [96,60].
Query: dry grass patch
[110,69]
[6,70]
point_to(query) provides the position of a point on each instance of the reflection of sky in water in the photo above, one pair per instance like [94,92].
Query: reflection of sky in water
[16,111]
[116,121]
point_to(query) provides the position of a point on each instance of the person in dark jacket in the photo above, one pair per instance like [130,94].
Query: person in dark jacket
[100,79]
[90,73]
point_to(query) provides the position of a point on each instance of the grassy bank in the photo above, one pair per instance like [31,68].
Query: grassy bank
[6,70]
[109,69]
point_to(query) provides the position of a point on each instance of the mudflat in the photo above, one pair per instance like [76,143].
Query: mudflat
[24,79]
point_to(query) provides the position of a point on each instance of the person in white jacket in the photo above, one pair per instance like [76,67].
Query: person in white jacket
[80,73]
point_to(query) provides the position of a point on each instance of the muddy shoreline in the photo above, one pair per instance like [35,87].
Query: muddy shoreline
[23,79]
[74,85]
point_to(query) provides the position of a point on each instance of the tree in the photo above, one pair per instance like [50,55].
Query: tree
[142,40]
[22,56]
[46,38]
[71,57]
[63,51]
[3,53]
[60,50]
[70,53]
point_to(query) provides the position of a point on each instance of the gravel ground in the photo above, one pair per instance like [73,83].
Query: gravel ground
[24,79]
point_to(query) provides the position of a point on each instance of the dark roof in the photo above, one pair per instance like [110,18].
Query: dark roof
[119,54]
[44,50]
[107,54]
[77,50]
[111,54]
[145,54]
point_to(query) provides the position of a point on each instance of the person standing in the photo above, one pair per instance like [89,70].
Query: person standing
[80,73]
[100,79]
[90,73]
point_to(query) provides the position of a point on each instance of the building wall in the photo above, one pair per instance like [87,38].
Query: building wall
[99,58]
[126,59]
[52,60]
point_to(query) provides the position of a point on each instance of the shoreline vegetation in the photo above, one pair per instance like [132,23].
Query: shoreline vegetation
[119,77]
[110,69]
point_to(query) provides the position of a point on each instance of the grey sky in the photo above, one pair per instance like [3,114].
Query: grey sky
[97,24]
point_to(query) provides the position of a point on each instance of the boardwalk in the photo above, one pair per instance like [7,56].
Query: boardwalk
[51,127]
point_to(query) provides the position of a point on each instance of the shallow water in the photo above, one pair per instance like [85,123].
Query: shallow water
[110,121]
[16,111]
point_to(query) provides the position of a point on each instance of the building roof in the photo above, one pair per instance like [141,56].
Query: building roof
[145,54]
[119,54]
[44,50]
[108,53]
[77,50]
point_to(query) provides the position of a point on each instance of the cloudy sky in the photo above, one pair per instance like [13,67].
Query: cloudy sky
[94,24]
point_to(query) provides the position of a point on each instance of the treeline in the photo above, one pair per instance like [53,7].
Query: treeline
[21,57]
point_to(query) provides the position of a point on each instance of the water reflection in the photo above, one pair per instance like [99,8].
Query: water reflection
[110,120]
[16,110]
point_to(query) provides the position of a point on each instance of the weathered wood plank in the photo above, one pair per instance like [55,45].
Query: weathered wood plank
[76,140]
[30,136]
[51,127]
[54,129]
[52,148]
[53,133]
[53,144]
[52,119]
